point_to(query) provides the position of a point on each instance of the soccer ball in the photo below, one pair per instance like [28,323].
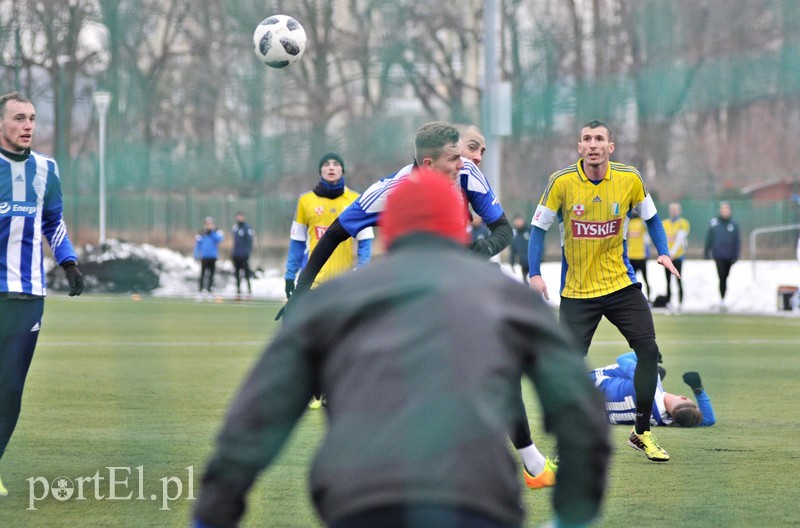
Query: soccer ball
[279,41]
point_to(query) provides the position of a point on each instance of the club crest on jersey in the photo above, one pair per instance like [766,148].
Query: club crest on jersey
[596,229]
[578,209]
[319,210]
[615,209]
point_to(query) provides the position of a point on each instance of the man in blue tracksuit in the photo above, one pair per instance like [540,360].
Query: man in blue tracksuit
[206,250]
[723,244]
[615,381]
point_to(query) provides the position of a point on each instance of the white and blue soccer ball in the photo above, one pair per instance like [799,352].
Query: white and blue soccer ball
[279,41]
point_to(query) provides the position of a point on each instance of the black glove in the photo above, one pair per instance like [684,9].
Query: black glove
[692,379]
[289,288]
[662,372]
[74,278]
[281,312]
[482,247]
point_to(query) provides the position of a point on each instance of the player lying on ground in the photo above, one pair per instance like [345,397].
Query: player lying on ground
[616,383]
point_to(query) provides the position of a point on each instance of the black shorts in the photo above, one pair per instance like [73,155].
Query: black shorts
[627,309]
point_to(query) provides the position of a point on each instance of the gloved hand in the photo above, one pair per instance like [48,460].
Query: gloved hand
[482,247]
[74,278]
[692,379]
[289,288]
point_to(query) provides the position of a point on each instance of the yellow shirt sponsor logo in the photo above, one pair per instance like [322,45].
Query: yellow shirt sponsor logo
[595,229]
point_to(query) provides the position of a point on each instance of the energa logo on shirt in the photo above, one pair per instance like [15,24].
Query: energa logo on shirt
[18,209]
[596,229]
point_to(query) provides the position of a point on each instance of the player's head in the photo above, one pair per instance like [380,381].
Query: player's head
[331,167]
[424,202]
[438,146]
[724,210]
[208,223]
[674,210]
[595,143]
[17,122]
[473,142]
[240,217]
[684,411]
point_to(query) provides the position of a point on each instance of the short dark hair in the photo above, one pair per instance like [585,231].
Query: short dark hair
[599,124]
[687,414]
[13,96]
[432,138]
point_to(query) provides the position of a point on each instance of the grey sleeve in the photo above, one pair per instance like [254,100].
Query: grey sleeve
[575,413]
[260,419]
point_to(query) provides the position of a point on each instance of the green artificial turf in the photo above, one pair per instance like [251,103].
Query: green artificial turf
[142,387]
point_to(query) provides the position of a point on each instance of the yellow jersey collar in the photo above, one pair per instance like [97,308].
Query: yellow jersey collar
[583,176]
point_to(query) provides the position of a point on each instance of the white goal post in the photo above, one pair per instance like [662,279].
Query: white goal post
[760,231]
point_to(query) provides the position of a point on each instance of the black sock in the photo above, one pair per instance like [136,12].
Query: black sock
[642,421]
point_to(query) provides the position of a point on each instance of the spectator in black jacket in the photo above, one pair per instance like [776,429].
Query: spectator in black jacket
[723,244]
[242,247]
[519,244]
[418,411]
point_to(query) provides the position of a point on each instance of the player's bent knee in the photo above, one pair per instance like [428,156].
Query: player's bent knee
[646,349]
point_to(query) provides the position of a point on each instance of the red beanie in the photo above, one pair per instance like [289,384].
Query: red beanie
[424,202]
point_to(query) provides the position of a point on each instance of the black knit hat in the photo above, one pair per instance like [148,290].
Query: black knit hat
[330,156]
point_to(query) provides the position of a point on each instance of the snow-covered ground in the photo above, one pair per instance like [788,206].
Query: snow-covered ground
[752,288]
[748,292]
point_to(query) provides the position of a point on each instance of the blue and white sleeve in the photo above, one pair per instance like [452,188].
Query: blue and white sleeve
[480,194]
[54,228]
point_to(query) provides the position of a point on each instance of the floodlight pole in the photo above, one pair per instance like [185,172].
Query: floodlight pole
[102,100]
[491,160]
[496,101]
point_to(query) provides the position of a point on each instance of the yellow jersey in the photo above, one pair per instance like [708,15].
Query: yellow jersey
[638,239]
[313,217]
[677,236]
[593,220]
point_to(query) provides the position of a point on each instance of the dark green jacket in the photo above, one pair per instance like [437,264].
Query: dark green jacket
[420,355]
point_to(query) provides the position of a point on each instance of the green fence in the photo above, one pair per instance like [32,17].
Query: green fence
[172,220]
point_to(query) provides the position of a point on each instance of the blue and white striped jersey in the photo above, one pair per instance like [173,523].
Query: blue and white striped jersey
[30,208]
[364,212]
[616,383]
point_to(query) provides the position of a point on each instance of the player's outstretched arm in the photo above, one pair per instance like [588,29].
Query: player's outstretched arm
[333,236]
[692,379]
